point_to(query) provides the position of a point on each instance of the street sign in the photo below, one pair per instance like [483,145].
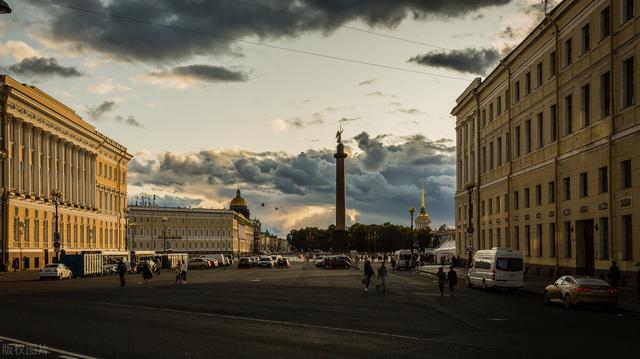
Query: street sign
[469,242]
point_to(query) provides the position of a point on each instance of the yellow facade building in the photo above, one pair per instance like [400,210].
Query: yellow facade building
[46,147]
[548,140]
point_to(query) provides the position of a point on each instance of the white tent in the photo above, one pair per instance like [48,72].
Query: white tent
[445,251]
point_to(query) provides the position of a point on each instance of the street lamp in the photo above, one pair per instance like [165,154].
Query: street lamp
[4,8]
[56,234]
[126,226]
[470,187]
[133,227]
[164,233]
[413,261]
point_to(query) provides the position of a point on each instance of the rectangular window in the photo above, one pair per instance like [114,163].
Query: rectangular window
[603,179]
[527,239]
[516,200]
[586,105]
[540,131]
[604,238]
[499,105]
[605,98]
[527,135]
[499,151]
[553,123]
[538,195]
[625,173]
[586,45]
[629,86]
[552,64]
[568,115]
[539,74]
[517,142]
[526,198]
[527,83]
[491,112]
[516,91]
[484,118]
[539,240]
[605,22]
[567,239]
[566,186]
[490,206]
[627,233]
[584,184]
[498,204]
[484,159]
[490,155]
[552,239]
[516,237]
[568,52]
[628,10]
[552,191]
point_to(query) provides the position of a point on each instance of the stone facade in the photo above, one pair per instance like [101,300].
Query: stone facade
[46,146]
[548,139]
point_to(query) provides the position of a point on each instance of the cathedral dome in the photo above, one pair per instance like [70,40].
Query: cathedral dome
[239,205]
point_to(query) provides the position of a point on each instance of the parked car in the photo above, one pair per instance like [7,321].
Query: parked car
[497,268]
[575,290]
[336,262]
[55,270]
[283,262]
[244,262]
[265,261]
[198,263]
[404,258]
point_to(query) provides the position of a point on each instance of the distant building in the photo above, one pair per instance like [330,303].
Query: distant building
[239,205]
[45,146]
[549,141]
[445,233]
[423,221]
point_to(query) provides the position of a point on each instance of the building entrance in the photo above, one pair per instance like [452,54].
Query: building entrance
[585,262]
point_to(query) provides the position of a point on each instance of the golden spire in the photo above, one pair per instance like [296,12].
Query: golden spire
[422,197]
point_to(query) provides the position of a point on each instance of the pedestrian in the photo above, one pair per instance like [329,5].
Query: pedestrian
[16,264]
[382,276]
[158,265]
[147,273]
[393,263]
[183,273]
[441,279]
[452,279]
[122,270]
[368,272]
[179,272]
[614,274]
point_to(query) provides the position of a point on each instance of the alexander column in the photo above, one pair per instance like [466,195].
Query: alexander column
[340,236]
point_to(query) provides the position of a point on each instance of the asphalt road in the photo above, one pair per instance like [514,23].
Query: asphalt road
[299,313]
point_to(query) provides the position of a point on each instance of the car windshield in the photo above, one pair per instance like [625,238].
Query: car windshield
[509,264]
[265,259]
[591,281]
[51,266]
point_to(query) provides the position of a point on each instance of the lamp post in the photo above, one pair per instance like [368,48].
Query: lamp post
[133,227]
[413,261]
[126,226]
[470,187]
[4,8]
[164,233]
[56,234]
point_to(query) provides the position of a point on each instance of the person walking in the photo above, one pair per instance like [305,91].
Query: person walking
[179,272]
[452,279]
[614,274]
[146,273]
[183,274]
[158,265]
[393,263]
[368,272]
[382,276]
[441,279]
[121,269]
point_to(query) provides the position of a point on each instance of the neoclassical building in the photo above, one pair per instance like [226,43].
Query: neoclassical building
[45,146]
[423,221]
[547,143]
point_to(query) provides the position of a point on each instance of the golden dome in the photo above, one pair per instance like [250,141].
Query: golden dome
[238,201]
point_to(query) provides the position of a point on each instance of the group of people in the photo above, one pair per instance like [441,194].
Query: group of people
[148,270]
[369,272]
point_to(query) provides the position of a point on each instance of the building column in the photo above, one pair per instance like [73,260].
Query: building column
[37,162]
[92,182]
[26,161]
[46,165]
[17,145]
[67,172]
[76,175]
[81,177]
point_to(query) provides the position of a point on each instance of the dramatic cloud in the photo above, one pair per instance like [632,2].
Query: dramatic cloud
[202,27]
[19,50]
[185,76]
[469,60]
[384,177]
[43,67]
[101,112]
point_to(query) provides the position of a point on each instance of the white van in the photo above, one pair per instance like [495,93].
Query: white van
[497,268]
[404,258]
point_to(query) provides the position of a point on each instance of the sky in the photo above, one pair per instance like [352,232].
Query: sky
[214,95]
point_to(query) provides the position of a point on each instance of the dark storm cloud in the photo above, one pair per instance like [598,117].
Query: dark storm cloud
[202,27]
[469,60]
[44,67]
[204,73]
[383,178]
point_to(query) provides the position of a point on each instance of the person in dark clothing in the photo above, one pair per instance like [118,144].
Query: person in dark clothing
[393,263]
[452,279]
[441,279]
[382,277]
[614,274]
[122,270]
[368,273]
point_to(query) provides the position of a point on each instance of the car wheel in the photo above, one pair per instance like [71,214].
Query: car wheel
[469,284]
[547,298]
[567,302]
